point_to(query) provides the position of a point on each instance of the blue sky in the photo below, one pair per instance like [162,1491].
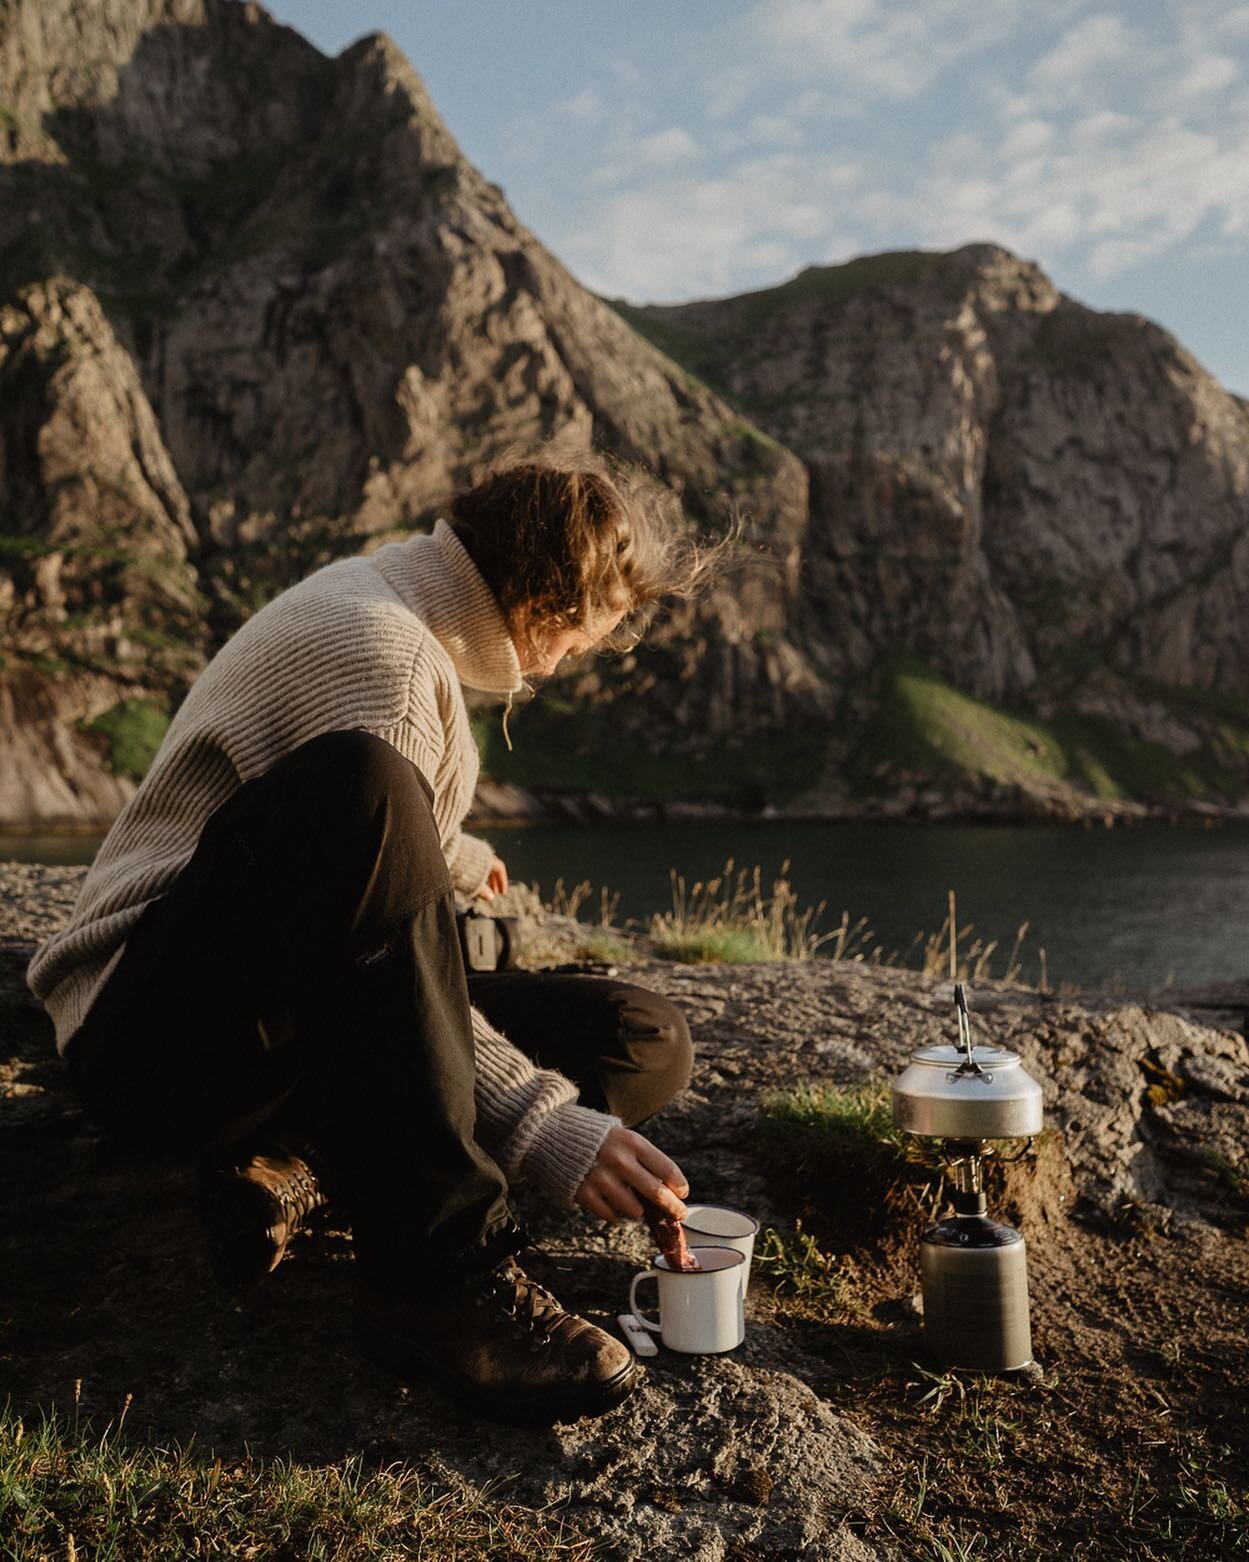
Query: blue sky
[668,151]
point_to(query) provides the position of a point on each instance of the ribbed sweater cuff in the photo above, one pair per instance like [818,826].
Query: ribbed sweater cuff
[470,863]
[564,1148]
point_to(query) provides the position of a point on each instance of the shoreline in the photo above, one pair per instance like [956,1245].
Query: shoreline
[500,804]
[512,807]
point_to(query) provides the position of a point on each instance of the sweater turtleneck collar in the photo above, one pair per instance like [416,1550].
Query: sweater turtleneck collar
[437,579]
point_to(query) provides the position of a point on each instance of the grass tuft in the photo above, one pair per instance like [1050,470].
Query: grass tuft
[604,948]
[833,1156]
[806,1279]
[732,918]
[66,1491]
[973,955]
[1232,1178]
[822,1126]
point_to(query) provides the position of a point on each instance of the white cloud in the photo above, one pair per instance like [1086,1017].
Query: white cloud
[1098,135]
[1100,127]
[811,103]
[642,156]
[774,130]
[687,235]
[897,48]
[665,147]
[1028,137]
[728,91]
[586,106]
[1056,225]
[1113,256]
[1089,47]
[1110,189]
[1210,73]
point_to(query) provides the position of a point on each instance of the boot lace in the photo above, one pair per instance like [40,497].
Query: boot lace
[529,1307]
[299,1193]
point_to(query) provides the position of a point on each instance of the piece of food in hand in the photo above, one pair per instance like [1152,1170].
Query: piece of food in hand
[669,1235]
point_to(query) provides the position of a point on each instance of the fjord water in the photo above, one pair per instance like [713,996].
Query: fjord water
[1135,907]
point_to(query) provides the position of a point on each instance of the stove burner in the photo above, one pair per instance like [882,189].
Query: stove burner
[973,1269]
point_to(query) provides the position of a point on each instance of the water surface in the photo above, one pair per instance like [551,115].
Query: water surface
[1137,906]
[1133,906]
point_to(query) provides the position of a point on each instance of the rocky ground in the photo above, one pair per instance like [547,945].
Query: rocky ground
[825,1435]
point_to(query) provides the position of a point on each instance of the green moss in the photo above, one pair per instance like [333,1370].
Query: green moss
[925,726]
[1184,698]
[1136,768]
[1231,745]
[153,639]
[737,429]
[836,286]
[135,730]
[561,747]
[922,723]
[50,664]
[15,547]
[928,728]
[680,343]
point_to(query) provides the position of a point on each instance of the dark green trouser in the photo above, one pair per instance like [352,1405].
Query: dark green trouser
[304,967]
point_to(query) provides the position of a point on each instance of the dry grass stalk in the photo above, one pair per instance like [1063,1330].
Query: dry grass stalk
[958,953]
[732,916]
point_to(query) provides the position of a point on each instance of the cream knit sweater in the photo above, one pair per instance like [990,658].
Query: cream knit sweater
[382,642]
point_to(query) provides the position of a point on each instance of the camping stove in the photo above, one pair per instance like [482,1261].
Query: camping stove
[961,1103]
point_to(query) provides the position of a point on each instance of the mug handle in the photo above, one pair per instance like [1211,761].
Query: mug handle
[633,1305]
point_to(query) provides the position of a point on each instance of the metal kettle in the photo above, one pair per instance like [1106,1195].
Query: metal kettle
[966,1092]
[948,1092]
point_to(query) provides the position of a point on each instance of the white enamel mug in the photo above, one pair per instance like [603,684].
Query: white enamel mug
[700,1312]
[719,1225]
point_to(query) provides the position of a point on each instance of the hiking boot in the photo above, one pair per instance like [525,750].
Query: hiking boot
[252,1210]
[502,1343]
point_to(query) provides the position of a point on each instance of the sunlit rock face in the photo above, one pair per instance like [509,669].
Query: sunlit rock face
[258,312]
[1001,478]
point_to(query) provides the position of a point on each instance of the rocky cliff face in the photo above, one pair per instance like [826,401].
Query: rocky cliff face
[259,312]
[299,318]
[1048,506]
[97,589]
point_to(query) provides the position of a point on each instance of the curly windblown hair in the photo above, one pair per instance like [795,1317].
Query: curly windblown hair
[564,540]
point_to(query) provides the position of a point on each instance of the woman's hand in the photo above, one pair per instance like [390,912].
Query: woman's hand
[629,1168]
[496,881]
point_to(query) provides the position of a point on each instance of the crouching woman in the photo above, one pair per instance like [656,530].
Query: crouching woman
[262,972]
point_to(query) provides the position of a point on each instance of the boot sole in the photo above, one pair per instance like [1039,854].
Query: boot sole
[397,1354]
